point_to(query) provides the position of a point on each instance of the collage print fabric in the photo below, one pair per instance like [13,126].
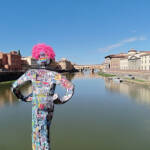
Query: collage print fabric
[43,99]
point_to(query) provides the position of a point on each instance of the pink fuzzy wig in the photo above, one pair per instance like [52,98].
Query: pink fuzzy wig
[38,48]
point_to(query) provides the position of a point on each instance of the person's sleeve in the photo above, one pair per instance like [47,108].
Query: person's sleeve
[27,76]
[63,82]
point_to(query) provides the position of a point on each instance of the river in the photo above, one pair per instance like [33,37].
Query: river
[102,115]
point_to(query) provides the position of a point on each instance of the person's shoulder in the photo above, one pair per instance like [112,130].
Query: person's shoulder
[31,72]
[52,73]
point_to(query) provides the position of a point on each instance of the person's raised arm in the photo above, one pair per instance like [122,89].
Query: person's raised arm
[15,88]
[61,80]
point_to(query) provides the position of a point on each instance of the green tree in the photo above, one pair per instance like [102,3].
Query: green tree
[19,53]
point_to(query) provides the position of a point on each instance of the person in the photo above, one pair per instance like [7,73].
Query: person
[43,94]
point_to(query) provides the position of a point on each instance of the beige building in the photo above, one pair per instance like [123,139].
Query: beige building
[145,61]
[29,62]
[112,62]
[107,63]
[134,62]
[132,52]
[65,64]
[124,63]
[54,66]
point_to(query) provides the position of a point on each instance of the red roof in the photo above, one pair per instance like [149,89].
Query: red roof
[132,50]
[117,56]
[148,52]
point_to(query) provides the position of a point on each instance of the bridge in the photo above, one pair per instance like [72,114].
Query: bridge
[82,75]
[92,68]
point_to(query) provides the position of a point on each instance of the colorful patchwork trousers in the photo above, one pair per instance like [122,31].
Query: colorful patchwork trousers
[43,89]
[41,120]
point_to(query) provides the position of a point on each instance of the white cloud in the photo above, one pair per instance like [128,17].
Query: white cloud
[121,43]
[142,38]
[132,39]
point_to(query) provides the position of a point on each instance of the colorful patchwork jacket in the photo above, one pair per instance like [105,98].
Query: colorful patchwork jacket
[43,87]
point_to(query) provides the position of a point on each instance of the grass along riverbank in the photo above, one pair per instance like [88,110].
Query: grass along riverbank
[5,83]
[106,74]
[138,81]
[125,79]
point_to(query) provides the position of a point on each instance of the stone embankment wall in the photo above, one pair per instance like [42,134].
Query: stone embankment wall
[8,76]
[143,75]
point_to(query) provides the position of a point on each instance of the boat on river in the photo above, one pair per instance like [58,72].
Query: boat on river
[117,79]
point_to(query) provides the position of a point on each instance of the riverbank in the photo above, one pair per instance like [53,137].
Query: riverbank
[6,83]
[10,75]
[141,75]
[137,81]
[125,78]
[106,74]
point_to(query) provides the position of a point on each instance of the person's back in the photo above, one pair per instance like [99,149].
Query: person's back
[43,99]
[43,86]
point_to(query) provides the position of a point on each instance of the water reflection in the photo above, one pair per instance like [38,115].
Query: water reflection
[137,92]
[85,75]
[90,112]
[6,96]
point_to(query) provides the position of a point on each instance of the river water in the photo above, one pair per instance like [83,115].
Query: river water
[102,115]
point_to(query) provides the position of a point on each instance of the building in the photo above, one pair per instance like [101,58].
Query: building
[112,62]
[10,61]
[124,63]
[107,63]
[29,62]
[14,61]
[145,61]
[139,60]
[132,52]
[24,64]
[65,65]
[127,62]
[4,58]
[0,63]
[54,66]
[134,62]
[115,62]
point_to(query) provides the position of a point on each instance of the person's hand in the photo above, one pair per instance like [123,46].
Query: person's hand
[28,98]
[55,96]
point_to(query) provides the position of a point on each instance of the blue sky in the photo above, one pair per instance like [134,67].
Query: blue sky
[83,31]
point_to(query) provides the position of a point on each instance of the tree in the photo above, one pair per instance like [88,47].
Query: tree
[19,53]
